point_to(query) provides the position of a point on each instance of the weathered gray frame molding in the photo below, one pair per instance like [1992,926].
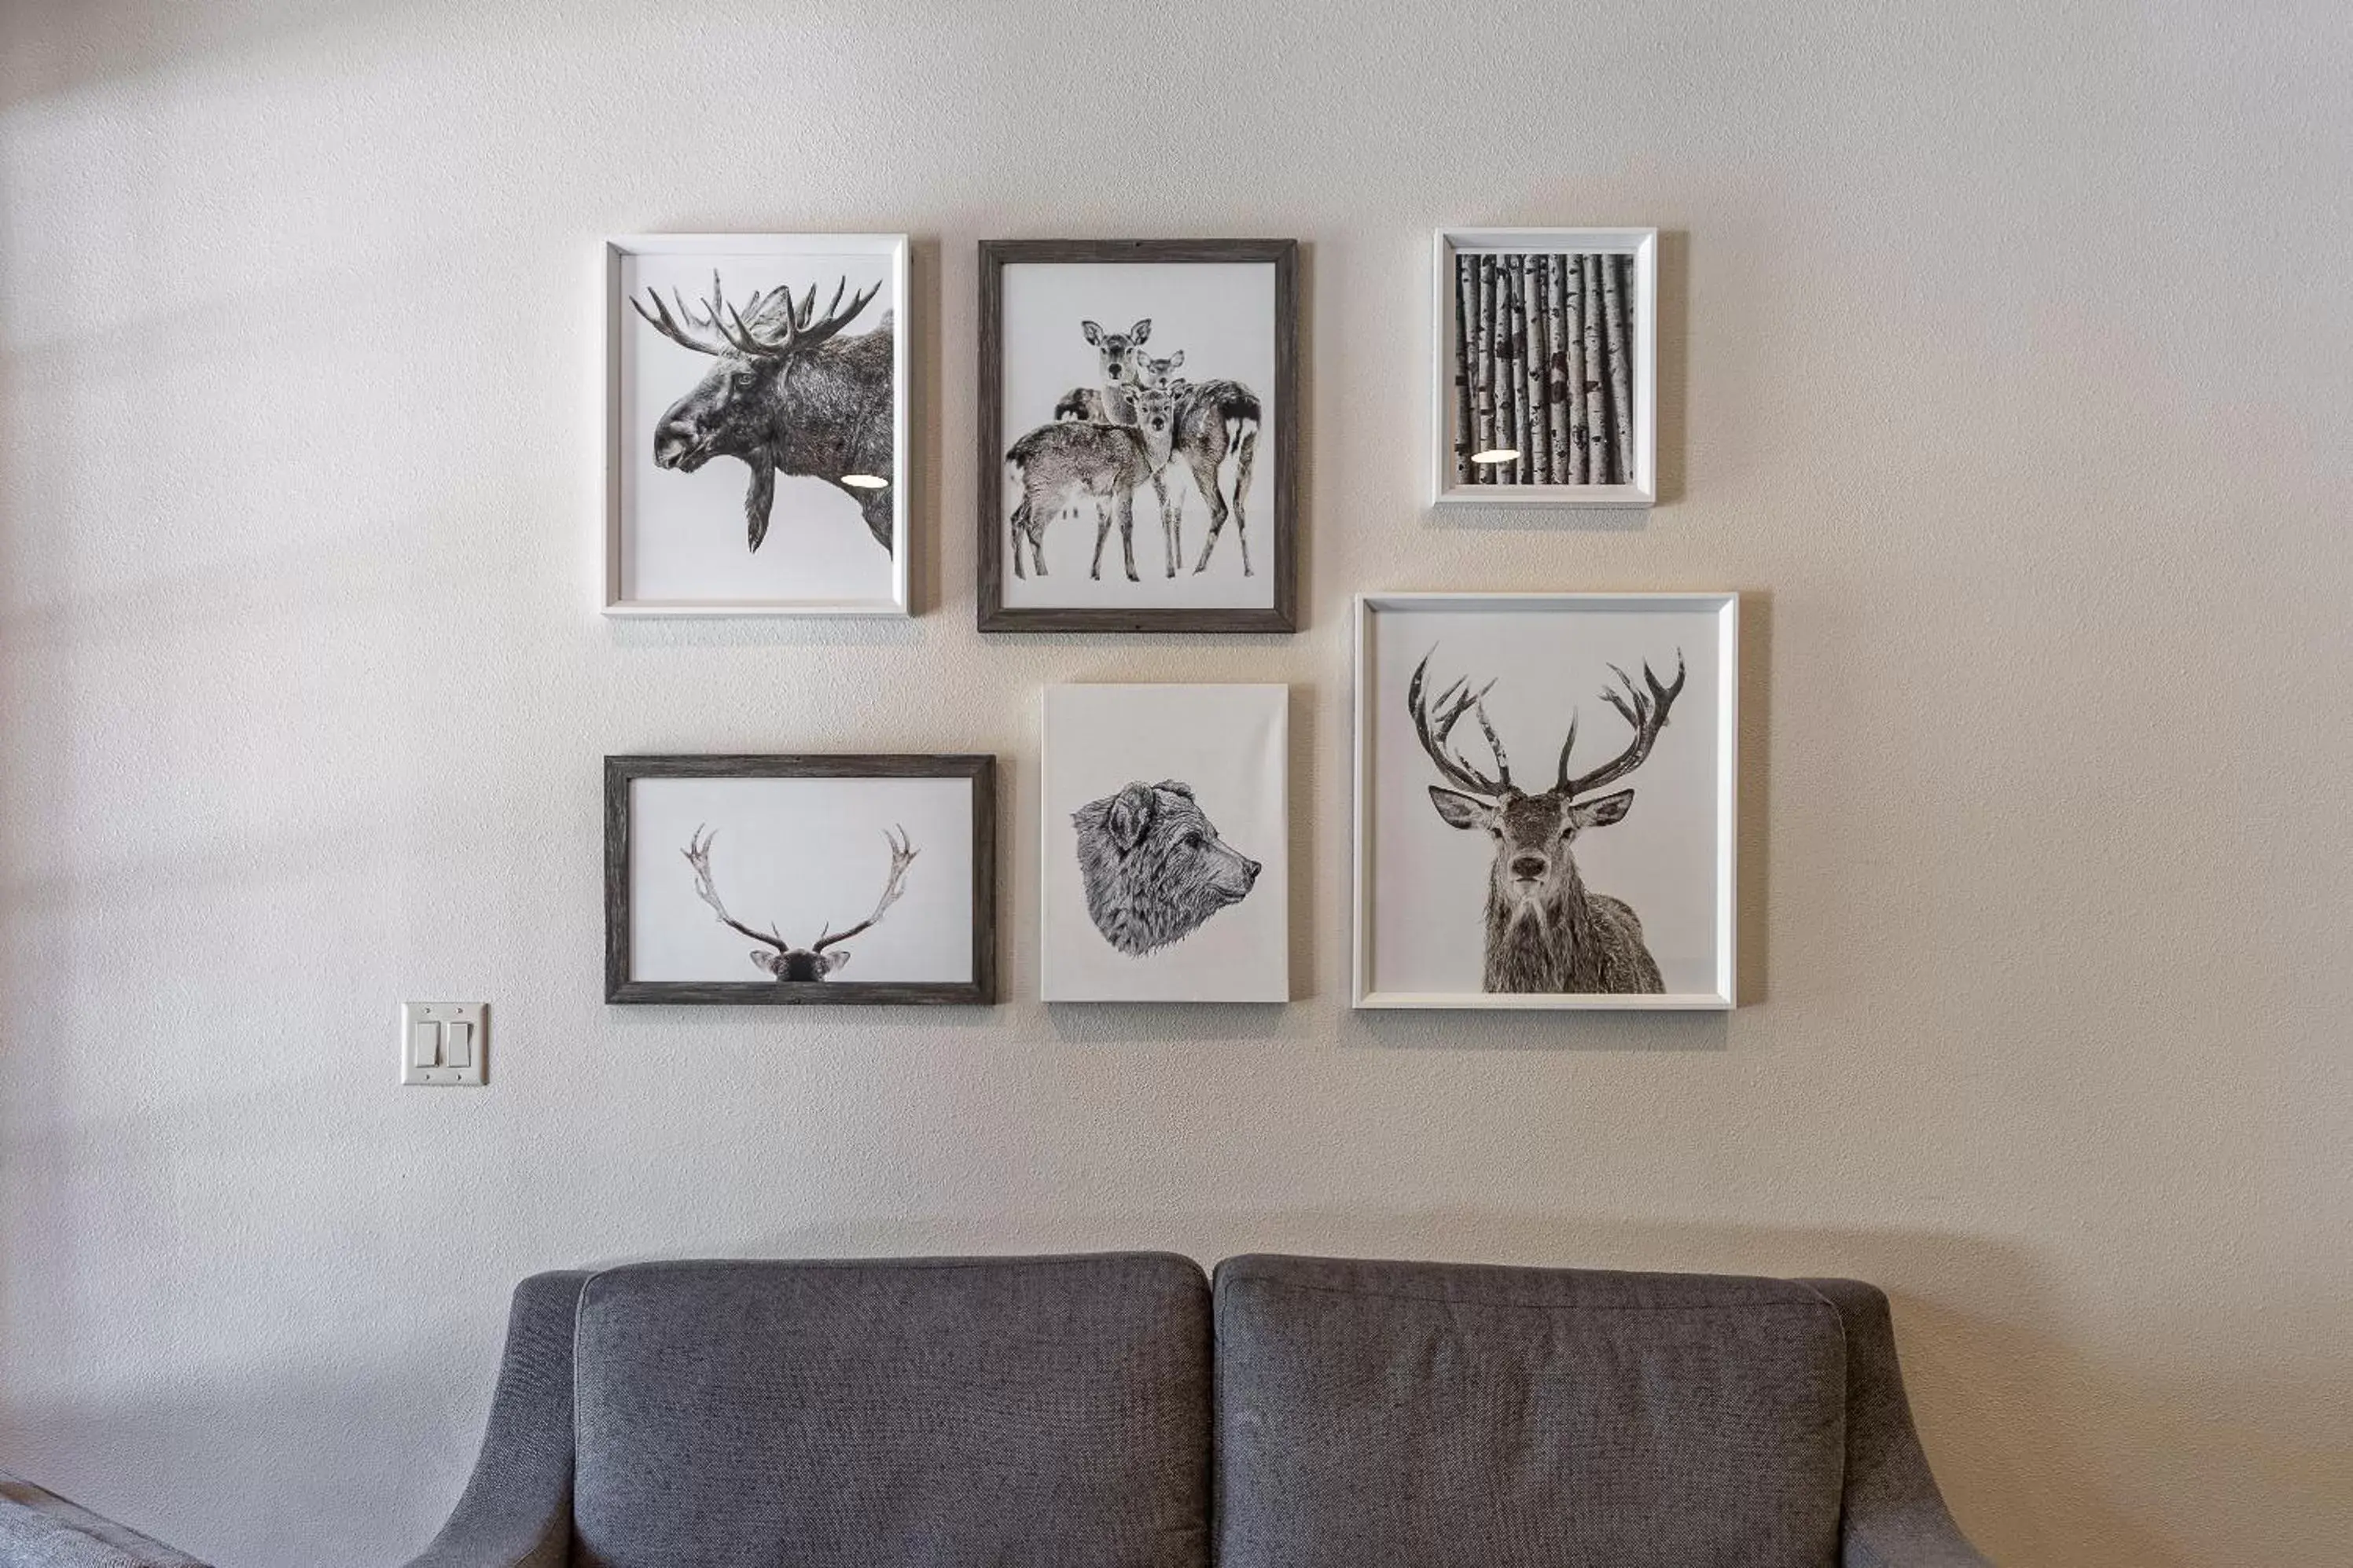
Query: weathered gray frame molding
[1283,615]
[621,771]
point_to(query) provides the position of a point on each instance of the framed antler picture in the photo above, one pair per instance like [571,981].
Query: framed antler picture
[800,880]
[1138,434]
[756,425]
[1546,391]
[1545,809]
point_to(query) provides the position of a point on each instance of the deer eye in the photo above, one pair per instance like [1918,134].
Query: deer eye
[745,378]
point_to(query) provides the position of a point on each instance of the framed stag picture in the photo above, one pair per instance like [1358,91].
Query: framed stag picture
[1544,800]
[1166,844]
[1546,391]
[757,426]
[1138,423]
[800,880]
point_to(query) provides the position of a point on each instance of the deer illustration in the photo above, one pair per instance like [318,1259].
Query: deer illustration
[1546,933]
[1108,404]
[788,396]
[813,962]
[1214,418]
[1094,460]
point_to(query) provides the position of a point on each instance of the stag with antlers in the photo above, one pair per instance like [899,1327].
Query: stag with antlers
[823,958]
[790,395]
[1546,933]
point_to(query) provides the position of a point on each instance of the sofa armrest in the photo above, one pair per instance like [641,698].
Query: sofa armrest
[39,1529]
[516,1511]
[1893,1516]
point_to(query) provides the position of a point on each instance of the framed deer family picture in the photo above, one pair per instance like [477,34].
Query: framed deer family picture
[756,425]
[1166,844]
[1138,434]
[1546,384]
[800,878]
[1544,800]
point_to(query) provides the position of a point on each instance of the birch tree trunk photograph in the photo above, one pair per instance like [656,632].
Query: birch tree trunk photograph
[1543,369]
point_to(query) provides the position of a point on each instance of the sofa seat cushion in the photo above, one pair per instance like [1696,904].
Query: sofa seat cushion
[1050,1412]
[1432,1416]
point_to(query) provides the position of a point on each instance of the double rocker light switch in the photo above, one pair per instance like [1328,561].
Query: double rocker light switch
[441,1043]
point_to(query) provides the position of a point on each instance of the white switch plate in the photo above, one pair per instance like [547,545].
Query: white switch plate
[433,1034]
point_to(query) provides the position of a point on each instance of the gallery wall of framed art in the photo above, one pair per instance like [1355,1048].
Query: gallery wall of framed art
[1543,782]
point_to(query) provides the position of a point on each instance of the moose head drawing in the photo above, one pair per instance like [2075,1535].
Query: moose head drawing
[1545,933]
[788,396]
[822,958]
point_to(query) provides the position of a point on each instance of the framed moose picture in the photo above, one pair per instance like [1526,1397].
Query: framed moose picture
[756,425]
[800,878]
[1544,800]
[1166,844]
[1138,434]
[1546,384]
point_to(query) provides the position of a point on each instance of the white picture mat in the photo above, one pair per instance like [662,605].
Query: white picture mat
[1221,313]
[1231,744]
[800,854]
[677,541]
[1643,245]
[1420,884]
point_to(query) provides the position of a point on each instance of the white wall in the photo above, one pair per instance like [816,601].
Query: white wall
[2005,364]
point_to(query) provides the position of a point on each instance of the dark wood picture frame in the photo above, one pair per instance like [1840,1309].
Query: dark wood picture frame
[1282,616]
[622,772]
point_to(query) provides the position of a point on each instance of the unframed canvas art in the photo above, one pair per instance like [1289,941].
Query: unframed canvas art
[1166,844]
[757,427]
[1138,414]
[1545,800]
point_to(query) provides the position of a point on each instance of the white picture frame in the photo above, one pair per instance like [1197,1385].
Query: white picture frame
[683,577]
[1163,844]
[1640,246]
[1701,948]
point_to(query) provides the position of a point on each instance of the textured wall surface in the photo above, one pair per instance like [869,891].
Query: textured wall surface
[2005,363]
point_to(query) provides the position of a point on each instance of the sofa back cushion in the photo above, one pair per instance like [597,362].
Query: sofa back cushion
[1449,1416]
[1051,1413]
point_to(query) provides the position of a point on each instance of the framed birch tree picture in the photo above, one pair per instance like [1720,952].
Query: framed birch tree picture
[1546,367]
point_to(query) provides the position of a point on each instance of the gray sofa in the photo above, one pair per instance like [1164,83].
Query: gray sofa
[1121,1411]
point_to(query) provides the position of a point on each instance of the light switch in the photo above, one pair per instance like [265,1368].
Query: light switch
[444,1044]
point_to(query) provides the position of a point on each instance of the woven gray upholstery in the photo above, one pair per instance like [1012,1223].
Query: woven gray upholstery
[1043,1412]
[1050,1412]
[39,1529]
[1524,1419]
[1894,1517]
[516,1512]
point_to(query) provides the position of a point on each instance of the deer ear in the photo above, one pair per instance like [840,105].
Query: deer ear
[1602,812]
[1176,359]
[771,962]
[832,962]
[1093,333]
[1140,331]
[1460,810]
[1130,817]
